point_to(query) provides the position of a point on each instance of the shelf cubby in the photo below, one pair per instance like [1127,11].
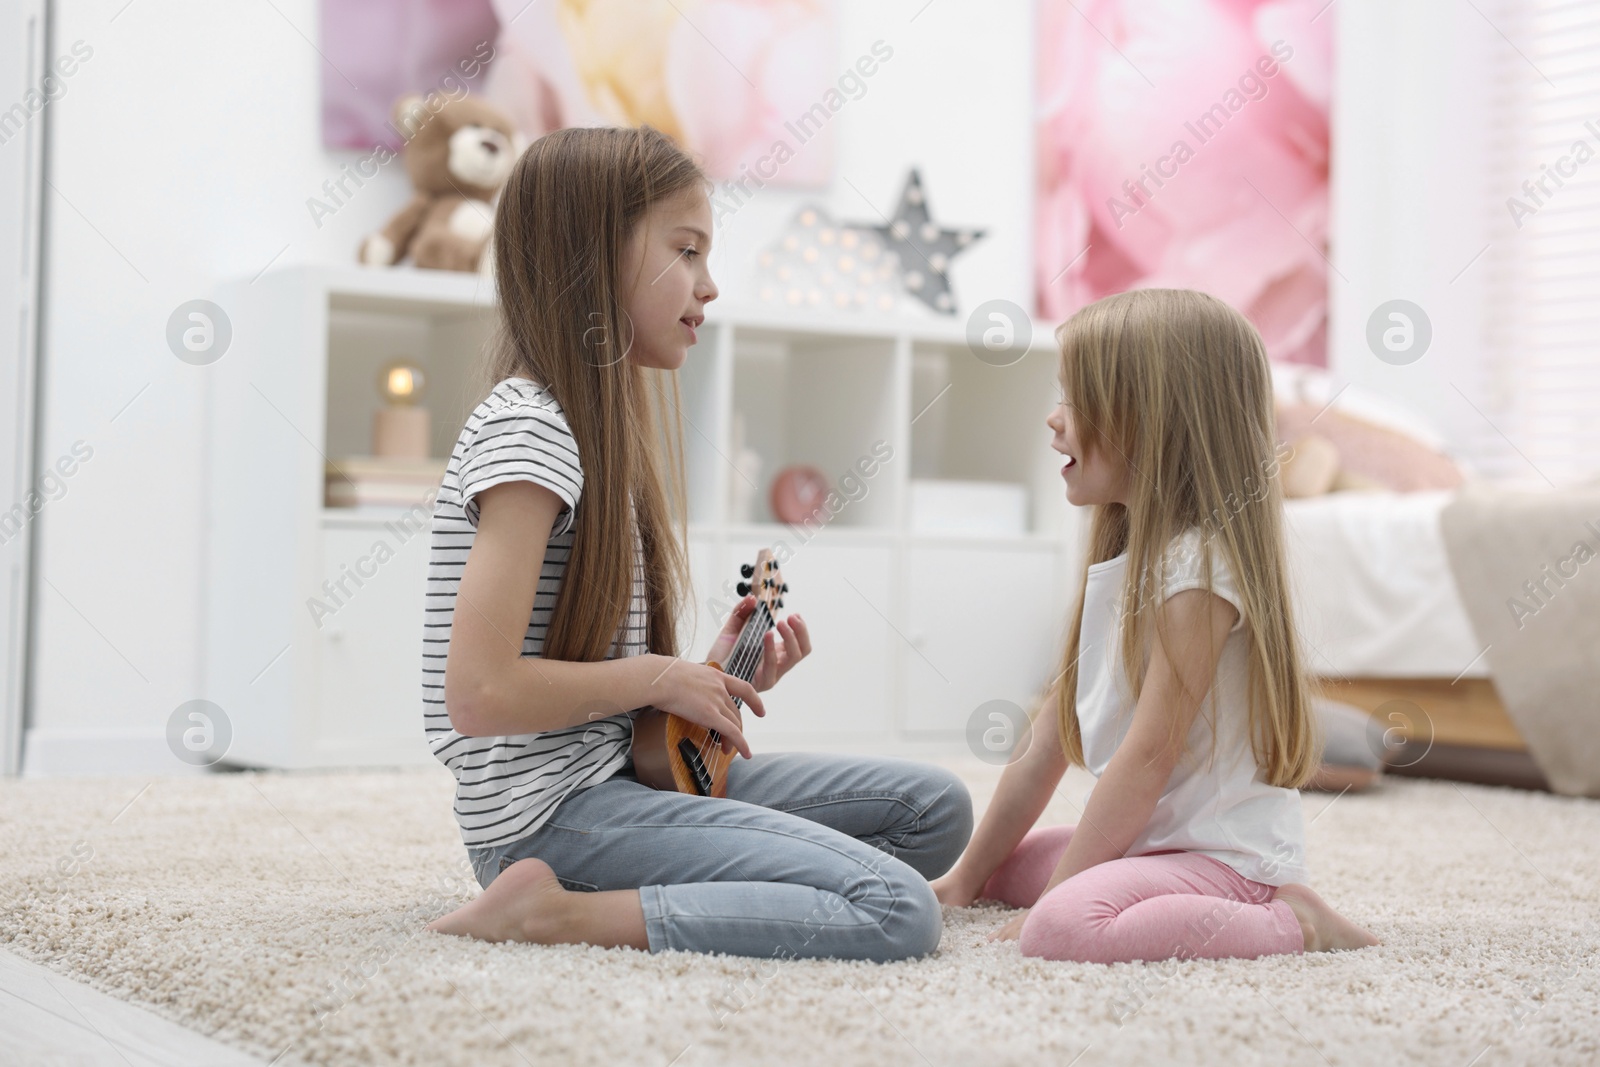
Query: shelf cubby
[823,402]
[984,421]
[447,347]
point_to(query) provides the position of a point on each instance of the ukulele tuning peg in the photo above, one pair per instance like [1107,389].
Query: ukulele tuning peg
[743,588]
[746,570]
[784,588]
[780,602]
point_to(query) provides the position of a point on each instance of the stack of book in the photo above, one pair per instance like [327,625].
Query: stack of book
[377,482]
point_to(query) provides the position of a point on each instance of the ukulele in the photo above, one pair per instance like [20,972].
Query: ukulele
[676,754]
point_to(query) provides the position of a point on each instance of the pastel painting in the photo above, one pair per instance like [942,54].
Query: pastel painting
[1184,144]
[724,78]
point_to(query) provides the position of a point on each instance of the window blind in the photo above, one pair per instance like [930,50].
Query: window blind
[1542,312]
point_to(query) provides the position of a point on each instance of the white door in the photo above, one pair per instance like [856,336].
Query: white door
[985,623]
[842,696]
[21,170]
[369,658]
[699,624]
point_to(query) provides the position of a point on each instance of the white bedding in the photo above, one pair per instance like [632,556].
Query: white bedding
[1374,596]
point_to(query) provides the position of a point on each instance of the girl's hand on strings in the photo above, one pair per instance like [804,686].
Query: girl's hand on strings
[783,646]
[722,647]
[704,696]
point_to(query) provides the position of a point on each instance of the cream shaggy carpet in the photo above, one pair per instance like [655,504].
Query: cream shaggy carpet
[283,914]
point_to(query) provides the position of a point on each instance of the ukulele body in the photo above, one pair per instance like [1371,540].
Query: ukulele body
[675,754]
[667,755]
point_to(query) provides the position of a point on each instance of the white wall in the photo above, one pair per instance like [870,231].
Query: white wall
[1410,203]
[182,154]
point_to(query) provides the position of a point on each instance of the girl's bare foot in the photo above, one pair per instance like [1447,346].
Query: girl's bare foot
[524,903]
[1324,928]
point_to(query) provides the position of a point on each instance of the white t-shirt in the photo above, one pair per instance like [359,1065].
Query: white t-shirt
[1220,807]
[506,787]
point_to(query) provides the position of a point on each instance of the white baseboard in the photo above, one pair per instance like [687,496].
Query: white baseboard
[50,753]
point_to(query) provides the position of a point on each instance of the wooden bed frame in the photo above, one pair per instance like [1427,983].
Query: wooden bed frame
[1458,730]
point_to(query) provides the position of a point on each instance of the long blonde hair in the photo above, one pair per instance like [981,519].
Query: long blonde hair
[1177,382]
[573,200]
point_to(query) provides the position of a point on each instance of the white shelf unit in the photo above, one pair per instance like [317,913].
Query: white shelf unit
[912,631]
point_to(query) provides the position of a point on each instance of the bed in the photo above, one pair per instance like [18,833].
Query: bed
[1404,561]
[1386,630]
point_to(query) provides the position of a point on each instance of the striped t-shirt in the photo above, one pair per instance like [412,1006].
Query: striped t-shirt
[506,787]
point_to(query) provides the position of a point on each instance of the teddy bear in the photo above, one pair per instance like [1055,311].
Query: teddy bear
[459,152]
[1344,437]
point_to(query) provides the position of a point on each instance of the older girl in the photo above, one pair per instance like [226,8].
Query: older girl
[554,592]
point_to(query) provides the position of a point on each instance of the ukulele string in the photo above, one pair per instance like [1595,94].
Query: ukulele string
[752,656]
[739,661]
[742,657]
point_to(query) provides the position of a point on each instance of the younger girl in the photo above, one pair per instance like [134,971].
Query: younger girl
[553,599]
[1181,688]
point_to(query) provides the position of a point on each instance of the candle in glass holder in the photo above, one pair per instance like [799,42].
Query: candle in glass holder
[401,430]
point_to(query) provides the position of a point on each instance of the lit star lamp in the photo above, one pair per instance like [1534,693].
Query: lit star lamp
[817,264]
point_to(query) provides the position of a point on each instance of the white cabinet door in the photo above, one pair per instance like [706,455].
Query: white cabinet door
[370,649]
[985,623]
[843,693]
[697,627]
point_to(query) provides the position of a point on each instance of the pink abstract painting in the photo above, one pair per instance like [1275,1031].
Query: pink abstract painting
[1184,144]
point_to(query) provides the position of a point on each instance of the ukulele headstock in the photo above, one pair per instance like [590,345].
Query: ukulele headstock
[765,580]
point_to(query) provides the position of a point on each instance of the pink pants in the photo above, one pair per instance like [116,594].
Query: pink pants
[1154,907]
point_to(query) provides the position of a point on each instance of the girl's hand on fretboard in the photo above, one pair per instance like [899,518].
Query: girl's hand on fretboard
[722,647]
[783,646]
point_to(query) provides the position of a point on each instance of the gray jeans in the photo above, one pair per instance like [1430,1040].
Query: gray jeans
[809,856]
